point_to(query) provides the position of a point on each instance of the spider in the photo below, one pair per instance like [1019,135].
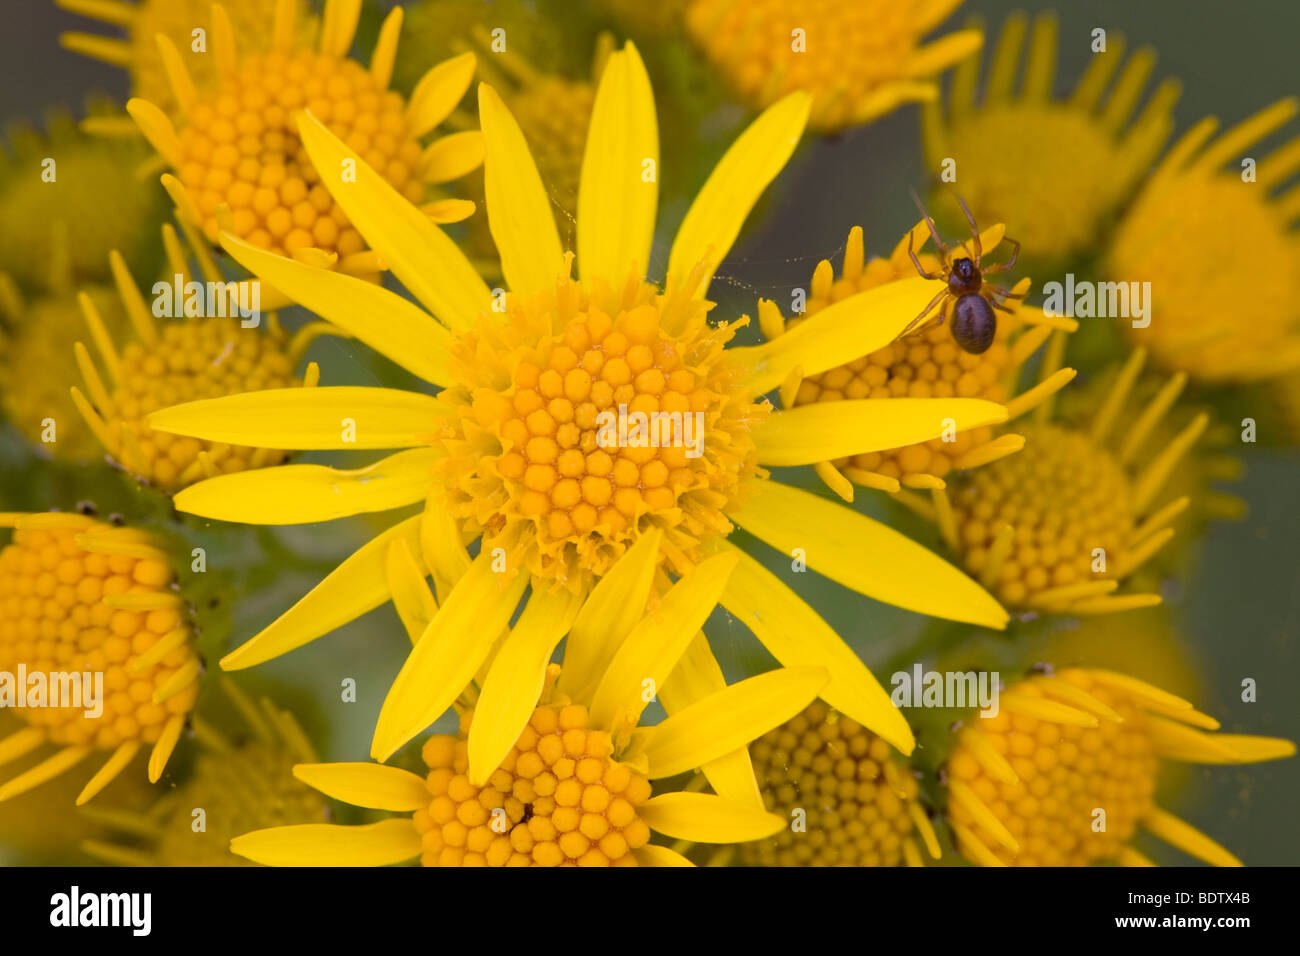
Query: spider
[973,320]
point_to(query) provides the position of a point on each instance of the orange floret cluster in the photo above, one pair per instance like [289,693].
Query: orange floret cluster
[558,799]
[57,615]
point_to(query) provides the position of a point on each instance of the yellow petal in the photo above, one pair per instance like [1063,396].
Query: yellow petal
[518,206]
[324,844]
[797,636]
[356,586]
[340,416]
[652,649]
[514,681]
[300,494]
[705,818]
[452,157]
[865,555]
[613,608]
[441,546]
[417,252]
[651,855]
[724,203]
[369,785]
[446,658]
[438,92]
[389,324]
[696,676]
[619,186]
[730,719]
[824,431]
[411,595]
[839,333]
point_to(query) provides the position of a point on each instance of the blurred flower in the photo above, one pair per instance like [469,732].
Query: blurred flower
[857,60]
[201,353]
[36,364]
[511,451]
[238,147]
[860,802]
[1060,525]
[572,778]
[1066,771]
[68,198]
[145,20]
[78,595]
[922,365]
[1055,171]
[239,784]
[1220,253]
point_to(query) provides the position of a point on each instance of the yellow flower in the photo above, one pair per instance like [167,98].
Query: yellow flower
[238,783]
[859,802]
[924,364]
[36,827]
[1029,786]
[1054,171]
[1215,241]
[858,60]
[79,596]
[240,166]
[541,775]
[1060,525]
[509,452]
[67,198]
[36,364]
[145,20]
[196,356]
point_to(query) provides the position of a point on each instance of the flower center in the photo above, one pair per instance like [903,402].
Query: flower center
[574,441]
[836,51]
[854,793]
[1202,241]
[193,359]
[1066,773]
[558,798]
[240,147]
[56,617]
[1006,188]
[1066,500]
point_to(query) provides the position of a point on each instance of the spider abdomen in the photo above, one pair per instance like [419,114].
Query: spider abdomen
[973,323]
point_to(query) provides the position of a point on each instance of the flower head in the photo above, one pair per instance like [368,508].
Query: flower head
[206,353]
[1215,240]
[571,784]
[241,782]
[857,60]
[241,167]
[66,198]
[79,596]
[925,364]
[860,803]
[36,364]
[1004,146]
[552,501]
[1066,772]
[145,20]
[1058,526]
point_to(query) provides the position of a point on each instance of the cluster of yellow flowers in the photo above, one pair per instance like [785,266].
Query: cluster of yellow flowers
[578,442]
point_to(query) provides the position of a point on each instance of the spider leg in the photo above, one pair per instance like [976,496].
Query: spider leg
[924,312]
[934,232]
[1010,263]
[917,262]
[1004,293]
[974,230]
